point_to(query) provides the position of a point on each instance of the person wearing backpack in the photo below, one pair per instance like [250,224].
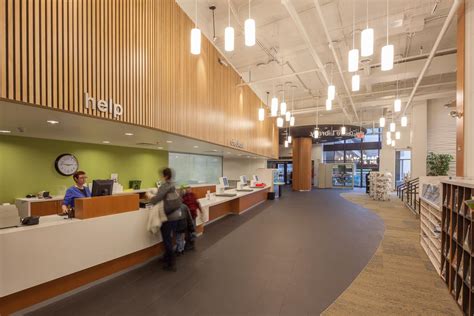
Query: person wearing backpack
[173,207]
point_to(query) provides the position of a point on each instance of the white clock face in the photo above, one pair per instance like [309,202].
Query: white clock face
[66,164]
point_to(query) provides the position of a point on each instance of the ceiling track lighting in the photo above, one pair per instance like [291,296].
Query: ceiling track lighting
[387,52]
[196,35]
[229,34]
[249,28]
[367,38]
[353,57]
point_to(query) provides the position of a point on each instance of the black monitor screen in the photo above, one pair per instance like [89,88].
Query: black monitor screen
[102,187]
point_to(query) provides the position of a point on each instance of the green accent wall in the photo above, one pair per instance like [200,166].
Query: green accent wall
[27,165]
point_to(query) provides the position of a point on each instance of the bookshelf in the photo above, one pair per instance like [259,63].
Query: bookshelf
[430,231]
[456,242]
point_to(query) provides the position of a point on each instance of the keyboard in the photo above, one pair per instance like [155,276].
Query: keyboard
[244,190]
[226,194]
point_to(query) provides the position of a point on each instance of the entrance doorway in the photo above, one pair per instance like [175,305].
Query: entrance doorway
[402,166]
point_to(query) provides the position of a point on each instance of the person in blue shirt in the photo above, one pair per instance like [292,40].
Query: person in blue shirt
[79,190]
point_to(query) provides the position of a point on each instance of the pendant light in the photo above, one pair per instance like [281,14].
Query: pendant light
[196,35]
[316,128]
[261,111]
[404,121]
[292,118]
[353,57]
[388,135]
[331,92]
[286,144]
[290,139]
[367,38]
[397,135]
[279,122]
[355,83]
[393,127]
[287,116]
[274,104]
[331,88]
[387,52]
[397,103]
[382,122]
[249,30]
[328,105]
[388,139]
[343,130]
[283,103]
[393,142]
[229,32]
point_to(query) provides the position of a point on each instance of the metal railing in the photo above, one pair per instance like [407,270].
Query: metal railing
[408,193]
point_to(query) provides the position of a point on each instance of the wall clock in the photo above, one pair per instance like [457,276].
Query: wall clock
[66,164]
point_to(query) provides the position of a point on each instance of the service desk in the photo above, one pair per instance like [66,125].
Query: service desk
[59,255]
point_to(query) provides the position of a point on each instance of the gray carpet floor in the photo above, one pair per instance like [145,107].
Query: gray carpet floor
[292,256]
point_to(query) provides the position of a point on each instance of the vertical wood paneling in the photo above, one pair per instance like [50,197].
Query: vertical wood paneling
[135,52]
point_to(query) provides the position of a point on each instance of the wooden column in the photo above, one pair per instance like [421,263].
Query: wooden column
[302,163]
[460,40]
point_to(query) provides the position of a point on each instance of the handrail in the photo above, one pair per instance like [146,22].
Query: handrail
[408,192]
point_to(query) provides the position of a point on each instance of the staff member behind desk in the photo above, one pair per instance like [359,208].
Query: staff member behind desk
[79,190]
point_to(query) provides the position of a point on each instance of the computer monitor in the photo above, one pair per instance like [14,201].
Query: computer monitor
[224,182]
[255,178]
[243,179]
[102,187]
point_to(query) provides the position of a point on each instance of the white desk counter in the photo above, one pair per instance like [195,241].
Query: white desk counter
[32,255]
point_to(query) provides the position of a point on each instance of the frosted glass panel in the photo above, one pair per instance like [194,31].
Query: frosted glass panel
[195,169]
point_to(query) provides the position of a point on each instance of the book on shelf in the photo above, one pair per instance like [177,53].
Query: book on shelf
[468,274]
[455,231]
[455,260]
[467,240]
[460,296]
[461,266]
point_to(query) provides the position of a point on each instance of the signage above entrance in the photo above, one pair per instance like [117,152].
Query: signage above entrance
[328,133]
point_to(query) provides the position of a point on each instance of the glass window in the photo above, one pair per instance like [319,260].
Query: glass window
[402,166]
[370,157]
[328,156]
[194,169]
[371,138]
[339,156]
[353,141]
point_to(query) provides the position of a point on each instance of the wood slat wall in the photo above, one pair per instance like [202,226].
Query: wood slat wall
[135,52]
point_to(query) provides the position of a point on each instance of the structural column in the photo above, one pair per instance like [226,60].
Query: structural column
[302,163]
[468,88]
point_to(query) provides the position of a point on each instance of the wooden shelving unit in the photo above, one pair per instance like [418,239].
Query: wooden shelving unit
[430,232]
[456,243]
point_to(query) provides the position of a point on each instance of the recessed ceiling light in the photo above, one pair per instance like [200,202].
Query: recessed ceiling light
[52,122]
[160,147]
[129,134]
[5,131]
[214,150]
[105,142]
[196,146]
[169,141]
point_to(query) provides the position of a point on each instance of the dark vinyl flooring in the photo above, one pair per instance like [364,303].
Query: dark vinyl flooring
[292,256]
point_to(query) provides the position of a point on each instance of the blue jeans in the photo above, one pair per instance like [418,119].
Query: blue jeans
[168,229]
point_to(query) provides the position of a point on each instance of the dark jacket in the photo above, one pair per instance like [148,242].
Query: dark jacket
[171,200]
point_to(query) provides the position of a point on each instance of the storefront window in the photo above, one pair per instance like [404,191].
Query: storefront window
[195,169]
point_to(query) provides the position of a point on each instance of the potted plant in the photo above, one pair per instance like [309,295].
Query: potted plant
[438,164]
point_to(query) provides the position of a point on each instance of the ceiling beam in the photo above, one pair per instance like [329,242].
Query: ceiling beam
[302,31]
[278,77]
[336,58]
[448,20]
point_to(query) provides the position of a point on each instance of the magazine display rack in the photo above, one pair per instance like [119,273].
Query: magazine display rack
[380,185]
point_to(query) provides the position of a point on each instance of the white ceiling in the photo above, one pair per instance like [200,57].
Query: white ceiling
[31,121]
[413,30]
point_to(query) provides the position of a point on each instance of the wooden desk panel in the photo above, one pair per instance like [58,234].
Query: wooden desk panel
[46,207]
[250,200]
[201,191]
[221,209]
[106,205]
